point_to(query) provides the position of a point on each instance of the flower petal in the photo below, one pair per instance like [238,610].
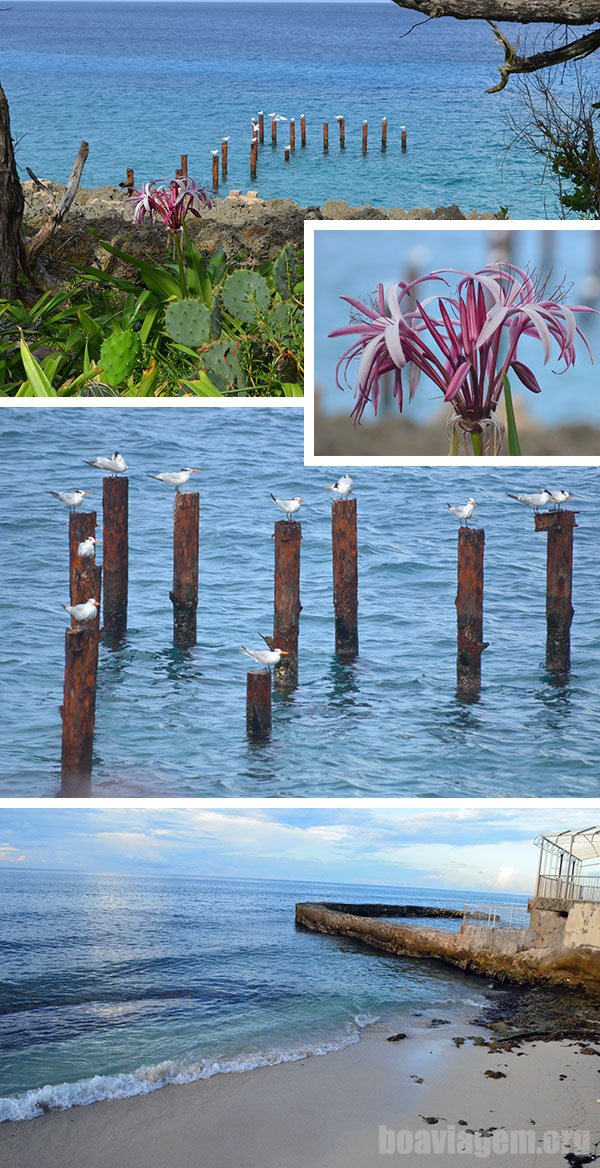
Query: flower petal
[526,377]
[457,380]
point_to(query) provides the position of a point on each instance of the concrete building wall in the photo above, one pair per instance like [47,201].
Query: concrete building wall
[582,926]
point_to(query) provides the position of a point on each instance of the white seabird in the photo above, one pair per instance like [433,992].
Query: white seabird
[115,465]
[86,611]
[71,499]
[342,487]
[536,500]
[560,497]
[86,548]
[265,657]
[463,511]
[288,506]
[175,478]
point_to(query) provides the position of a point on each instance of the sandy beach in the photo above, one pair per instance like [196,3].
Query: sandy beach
[343,1109]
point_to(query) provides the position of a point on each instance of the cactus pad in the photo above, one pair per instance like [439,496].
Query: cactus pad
[286,271]
[245,295]
[188,322]
[118,356]
[215,317]
[222,365]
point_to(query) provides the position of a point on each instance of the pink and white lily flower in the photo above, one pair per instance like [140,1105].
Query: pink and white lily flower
[457,340]
[171,202]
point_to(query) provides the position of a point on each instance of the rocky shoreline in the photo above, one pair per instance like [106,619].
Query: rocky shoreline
[247,226]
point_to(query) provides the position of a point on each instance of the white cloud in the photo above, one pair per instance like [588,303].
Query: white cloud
[11,855]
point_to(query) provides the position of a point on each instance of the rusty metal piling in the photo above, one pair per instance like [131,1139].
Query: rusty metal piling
[184,166]
[85,576]
[115,557]
[344,546]
[403,137]
[469,611]
[253,158]
[286,622]
[302,130]
[292,134]
[365,135]
[224,158]
[261,127]
[215,170]
[559,526]
[78,710]
[258,705]
[384,125]
[186,540]
[273,132]
[342,125]
[326,137]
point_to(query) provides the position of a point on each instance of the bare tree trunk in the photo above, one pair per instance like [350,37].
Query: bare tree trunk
[11,207]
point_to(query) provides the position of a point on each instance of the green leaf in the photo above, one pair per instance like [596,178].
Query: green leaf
[292,389]
[39,384]
[511,424]
[156,279]
[202,386]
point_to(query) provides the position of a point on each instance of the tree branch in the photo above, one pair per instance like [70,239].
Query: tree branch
[519,11]
[33,248]
[572,51]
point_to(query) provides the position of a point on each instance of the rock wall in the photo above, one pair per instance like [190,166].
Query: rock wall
[506,955]
[248,228]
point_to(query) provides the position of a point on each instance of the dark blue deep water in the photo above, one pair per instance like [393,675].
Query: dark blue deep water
[172,723]
[144,82]
[131,983]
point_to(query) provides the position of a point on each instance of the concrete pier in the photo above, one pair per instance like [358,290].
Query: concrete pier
[561,945]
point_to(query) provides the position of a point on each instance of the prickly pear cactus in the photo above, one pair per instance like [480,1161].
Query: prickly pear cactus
[188,322]
[245,295]
[118,356]
[286,271]
[222,365]
[215,317]
[284,319]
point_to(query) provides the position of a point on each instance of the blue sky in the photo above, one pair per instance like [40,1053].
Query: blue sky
[477,849]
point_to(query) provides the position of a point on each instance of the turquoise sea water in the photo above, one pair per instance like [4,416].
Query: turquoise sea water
[173,723]
[144,82]
[132,983]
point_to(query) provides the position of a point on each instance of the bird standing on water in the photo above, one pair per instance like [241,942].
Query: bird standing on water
[114,465]
[464,511]
[86,611]
[288,506]
[265,657]
[536,500]
[71,499]
[86,548]
[342,487]
[175,478]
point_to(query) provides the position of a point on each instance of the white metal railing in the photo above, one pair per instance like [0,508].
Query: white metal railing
[580,888]
[497,916]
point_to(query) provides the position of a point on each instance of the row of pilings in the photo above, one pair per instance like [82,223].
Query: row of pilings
[220,157]
[88,580]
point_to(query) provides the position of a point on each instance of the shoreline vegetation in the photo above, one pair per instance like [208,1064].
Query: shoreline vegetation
[442,1075]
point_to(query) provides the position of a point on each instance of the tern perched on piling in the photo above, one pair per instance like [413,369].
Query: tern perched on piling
[464,511]
[114,465]
[559,497]
[71,499]
[175,478]
[265,657]
[288,506]
[86,548]
[342,487]
[86,611]
[536,500]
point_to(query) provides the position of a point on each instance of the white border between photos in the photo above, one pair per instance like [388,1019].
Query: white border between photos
[357,802]
[311,227]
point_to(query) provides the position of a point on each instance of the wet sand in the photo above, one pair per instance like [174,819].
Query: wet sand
[328,1112]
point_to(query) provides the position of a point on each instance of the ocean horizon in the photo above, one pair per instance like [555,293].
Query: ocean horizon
[173,83]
